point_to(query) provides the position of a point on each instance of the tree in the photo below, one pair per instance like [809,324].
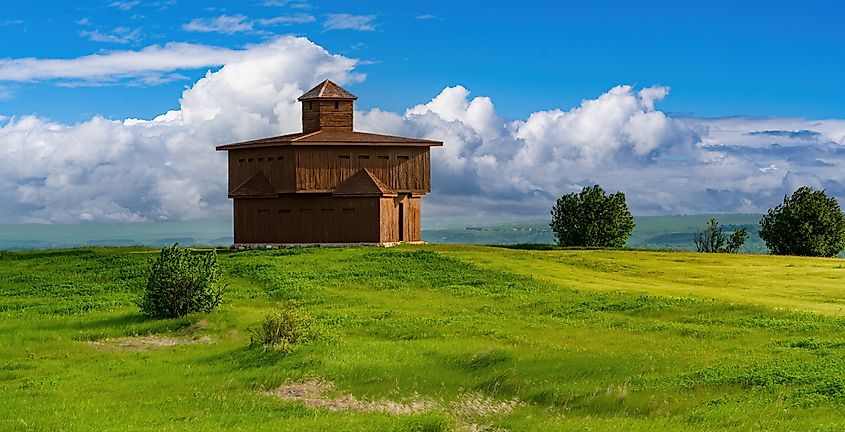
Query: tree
[808,223]
[592,218]
[713,239]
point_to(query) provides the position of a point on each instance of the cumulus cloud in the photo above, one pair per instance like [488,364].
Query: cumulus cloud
[492,166]
[166,167]
[343,21]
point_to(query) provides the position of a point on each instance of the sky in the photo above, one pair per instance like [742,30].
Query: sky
[110,110]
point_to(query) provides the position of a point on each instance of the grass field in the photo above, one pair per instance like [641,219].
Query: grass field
[430,338]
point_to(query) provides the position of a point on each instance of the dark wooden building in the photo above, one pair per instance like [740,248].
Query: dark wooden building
[328,183]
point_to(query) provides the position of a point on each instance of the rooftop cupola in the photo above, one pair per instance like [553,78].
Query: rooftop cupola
[327,107]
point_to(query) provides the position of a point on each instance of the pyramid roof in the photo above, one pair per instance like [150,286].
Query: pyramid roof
[257,186]
[327,90]
[363,183]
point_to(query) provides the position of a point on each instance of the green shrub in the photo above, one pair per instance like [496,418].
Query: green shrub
[180,282]
[283,328]
[714,240]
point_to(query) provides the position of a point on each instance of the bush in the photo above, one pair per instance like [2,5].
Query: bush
[713,239]
[592,218]
[285,327]
[180,282]
[808,223]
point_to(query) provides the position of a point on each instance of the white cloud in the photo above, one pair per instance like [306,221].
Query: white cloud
[288,3]
[120,35]
[289,19]
[492,166]
[223,24]
[166,168]
[345,21]
[117,65]
[229,24]
[125,5]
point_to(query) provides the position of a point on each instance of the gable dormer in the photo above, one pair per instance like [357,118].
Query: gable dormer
[327,107]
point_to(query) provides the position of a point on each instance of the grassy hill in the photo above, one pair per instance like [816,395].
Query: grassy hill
[429,338]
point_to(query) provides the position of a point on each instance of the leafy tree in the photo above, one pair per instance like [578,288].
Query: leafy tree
[713,239]
[592,218]
[808,223]
[179,282]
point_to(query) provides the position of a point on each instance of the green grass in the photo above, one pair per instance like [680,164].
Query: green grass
[584,339]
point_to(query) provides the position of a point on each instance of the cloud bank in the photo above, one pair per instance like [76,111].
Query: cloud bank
[166,168]
[118,65]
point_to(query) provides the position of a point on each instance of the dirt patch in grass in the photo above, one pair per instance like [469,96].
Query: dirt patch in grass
[139,343]
[315,394]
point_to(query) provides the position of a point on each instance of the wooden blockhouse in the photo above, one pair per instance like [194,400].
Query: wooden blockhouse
[328,183]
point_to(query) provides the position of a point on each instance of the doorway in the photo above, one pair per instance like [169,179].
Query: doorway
[401,222]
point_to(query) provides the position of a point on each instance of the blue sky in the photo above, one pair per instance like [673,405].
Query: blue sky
[110,110]
[720,58]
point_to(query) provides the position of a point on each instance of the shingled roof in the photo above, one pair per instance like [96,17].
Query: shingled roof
[332,137]
[363,183]
[257,186]
[327,90]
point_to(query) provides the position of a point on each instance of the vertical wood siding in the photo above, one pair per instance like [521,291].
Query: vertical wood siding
[315,218]
[280,170]
[403,169]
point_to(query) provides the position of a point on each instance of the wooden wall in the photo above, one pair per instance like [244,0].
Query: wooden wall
[321,218]
[412,219]
[389,222]
[307,218]
[277,163]
[326,114]
[403,169]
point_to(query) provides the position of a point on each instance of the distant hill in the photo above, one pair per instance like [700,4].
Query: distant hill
[652,232]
